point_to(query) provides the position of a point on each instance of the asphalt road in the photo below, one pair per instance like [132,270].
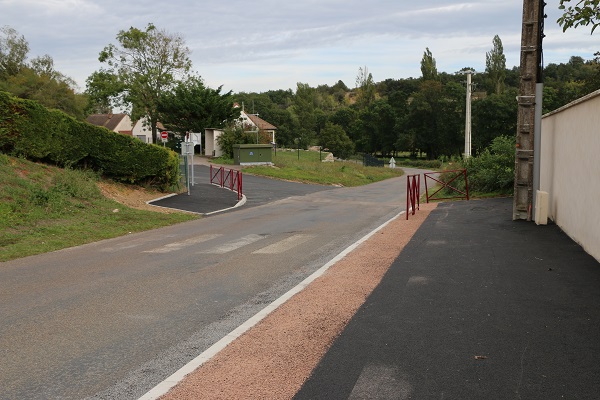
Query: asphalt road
[114,318]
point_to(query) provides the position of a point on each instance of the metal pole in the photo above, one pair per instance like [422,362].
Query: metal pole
[187,175]
[468,118]
[192,162]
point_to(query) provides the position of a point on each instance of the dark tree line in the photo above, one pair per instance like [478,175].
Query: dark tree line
[421,116]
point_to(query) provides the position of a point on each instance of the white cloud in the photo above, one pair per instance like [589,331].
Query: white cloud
[269,44]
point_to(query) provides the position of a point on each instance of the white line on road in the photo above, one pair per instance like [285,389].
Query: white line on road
[163,387]
[285,244]
[167,248]
[231,246]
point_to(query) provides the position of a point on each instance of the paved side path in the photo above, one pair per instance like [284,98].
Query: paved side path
[206,198]
[477,306]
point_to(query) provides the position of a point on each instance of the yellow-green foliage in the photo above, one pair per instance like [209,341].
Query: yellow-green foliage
[29,130]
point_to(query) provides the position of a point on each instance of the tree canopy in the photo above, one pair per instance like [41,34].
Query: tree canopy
[191,107]
[13,51]
[140,68]
[36,79]
[495,65]
[584,13]
[428,66]
[148,73]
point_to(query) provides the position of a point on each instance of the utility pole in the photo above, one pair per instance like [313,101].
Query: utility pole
[529,97]
[468,115]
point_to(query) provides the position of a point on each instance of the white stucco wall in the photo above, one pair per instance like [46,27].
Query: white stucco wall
[211,145]
[570,169]
[144,133]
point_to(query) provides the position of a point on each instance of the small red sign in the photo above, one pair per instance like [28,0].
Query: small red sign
[164,135]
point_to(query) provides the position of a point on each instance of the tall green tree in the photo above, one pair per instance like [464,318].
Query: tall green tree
[334,139]
[102,87]
[365,88]
[303,109]
[428,66]
[13,51]
[495,66]
[425,117]
[191,107]
[493,116]
[145,63]
[436,118]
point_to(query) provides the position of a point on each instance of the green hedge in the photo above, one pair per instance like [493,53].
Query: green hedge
[29,130]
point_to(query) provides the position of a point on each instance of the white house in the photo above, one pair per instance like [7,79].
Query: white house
[142,130]
[252,122]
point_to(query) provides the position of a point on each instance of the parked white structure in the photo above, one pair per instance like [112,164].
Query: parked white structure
[211,144]
[570,169]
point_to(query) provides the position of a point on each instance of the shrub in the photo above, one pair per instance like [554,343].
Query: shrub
[423,164]
[233,136]
[494,169]
[29,130]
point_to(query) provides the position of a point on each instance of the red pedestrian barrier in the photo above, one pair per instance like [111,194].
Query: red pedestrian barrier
[413,192]
[231,179]
[446,184]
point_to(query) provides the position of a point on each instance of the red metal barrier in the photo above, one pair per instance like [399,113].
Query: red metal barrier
[231,179]
[446,185]
[413,192]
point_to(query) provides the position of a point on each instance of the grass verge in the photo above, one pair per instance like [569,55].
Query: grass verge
[305,166]
[45,208]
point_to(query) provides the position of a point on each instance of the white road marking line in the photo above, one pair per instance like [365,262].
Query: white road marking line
[231,246]
[381,382]
[167,248]
[164,386]
[125,244]
[285,244]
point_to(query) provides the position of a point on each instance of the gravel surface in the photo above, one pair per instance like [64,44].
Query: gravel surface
[274,358]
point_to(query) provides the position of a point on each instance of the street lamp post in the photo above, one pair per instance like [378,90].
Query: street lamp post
[469,73]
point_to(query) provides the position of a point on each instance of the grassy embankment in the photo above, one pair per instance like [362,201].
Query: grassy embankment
[45,208]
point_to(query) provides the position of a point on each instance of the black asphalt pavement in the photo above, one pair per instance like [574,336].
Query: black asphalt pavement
[477,306]
[206,198]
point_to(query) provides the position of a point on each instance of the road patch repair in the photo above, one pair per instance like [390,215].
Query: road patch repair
[272,355]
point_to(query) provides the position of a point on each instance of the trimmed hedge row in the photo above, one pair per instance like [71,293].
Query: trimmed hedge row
[30,130]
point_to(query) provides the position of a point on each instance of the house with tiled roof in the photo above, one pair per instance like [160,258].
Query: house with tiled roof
[142,130]
[252,122]
[120,123]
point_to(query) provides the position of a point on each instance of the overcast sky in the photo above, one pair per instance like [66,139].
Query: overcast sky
[273,44]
